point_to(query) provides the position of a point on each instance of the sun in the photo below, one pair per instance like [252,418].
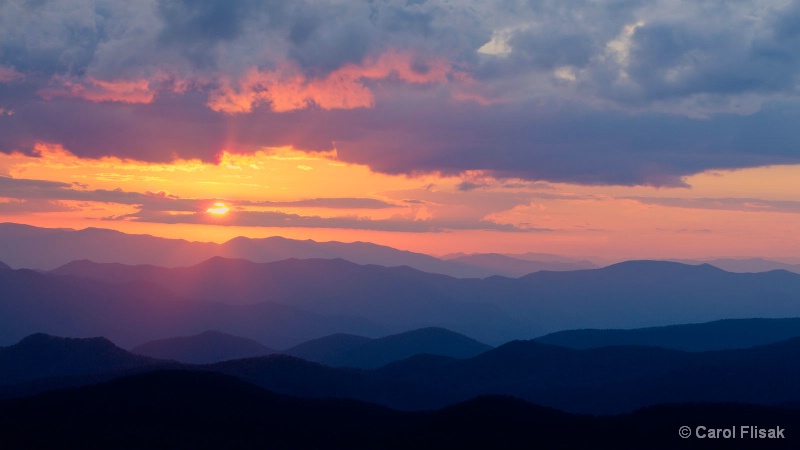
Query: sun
[219,209]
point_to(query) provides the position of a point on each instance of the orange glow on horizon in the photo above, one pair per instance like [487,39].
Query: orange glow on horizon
[317,195]
[219,209]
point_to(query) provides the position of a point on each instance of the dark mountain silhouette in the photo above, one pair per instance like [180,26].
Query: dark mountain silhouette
[195,410]
[138,311]
[495,263]
[356,351]
[327,347]
[717,335]
[605,380]
[494,310]
[204,348]
[43,356]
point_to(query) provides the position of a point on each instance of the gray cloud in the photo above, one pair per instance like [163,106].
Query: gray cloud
[32,206]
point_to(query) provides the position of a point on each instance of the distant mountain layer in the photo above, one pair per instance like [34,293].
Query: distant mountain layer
[131,313]
[606,380]
[355,351]
[515,267]
[717,335]
[204,348]
[350,298]
[24,246]
[746,264]
[189,410]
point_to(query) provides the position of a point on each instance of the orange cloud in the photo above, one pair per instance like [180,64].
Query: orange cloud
[287,89]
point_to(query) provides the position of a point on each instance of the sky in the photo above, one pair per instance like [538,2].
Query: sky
[618,129]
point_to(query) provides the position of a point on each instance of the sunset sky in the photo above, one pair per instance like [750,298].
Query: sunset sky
[614,129]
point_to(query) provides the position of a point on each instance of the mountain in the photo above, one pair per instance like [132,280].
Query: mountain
[396,298]
[4,266]
[204,348]
[24,246]
[494,310]
[355,351]
[717,335]
[744,265]
[191,409]
[43,356]
[514,267]
[608,380]
[133,312]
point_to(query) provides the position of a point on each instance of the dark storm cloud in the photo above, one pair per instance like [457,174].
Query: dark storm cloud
[617,92]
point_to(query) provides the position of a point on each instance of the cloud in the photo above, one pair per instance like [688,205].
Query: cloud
[289,89]
[8,75]
[627,93]
[334,203]
[277,219]
[726,204]
[13,206]
[94,90]
[25,190]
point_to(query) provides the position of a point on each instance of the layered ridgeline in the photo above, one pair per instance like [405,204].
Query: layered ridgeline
[605,380]
[204,348]
[716,335]
[24,246]
[284,303]
[358,351]
[207,410]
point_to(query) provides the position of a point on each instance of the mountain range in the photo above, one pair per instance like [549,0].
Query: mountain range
[208,410]
[321,297]
[358,351]
[204,348]
[608,380]
[24,246]
[696,337]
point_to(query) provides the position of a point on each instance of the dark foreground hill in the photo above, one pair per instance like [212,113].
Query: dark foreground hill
[201,410]
[356,351]
[204,348]
[42,356]
[605,380]
[717,335]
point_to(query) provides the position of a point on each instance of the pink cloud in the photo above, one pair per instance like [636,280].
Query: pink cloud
[95,90]
[7,74]
[287,89]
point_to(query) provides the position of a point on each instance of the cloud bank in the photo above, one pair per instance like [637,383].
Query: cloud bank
[614,92]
